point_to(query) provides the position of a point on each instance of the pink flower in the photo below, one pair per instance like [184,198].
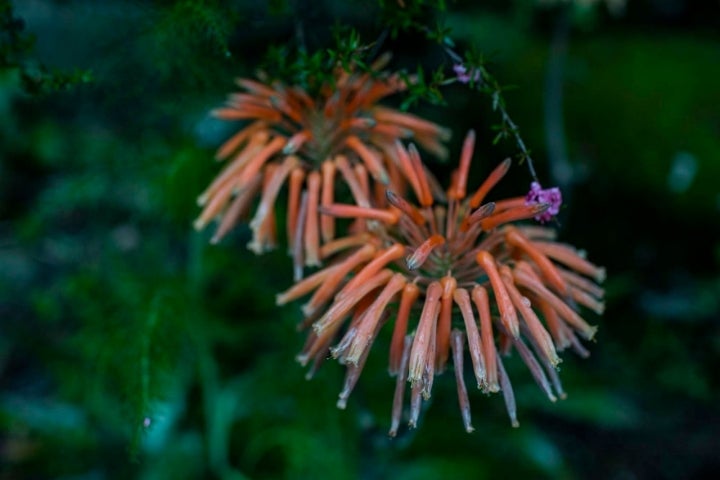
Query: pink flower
[550,196]
[465,76]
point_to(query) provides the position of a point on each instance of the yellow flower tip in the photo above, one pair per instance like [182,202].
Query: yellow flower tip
[510,320]
[469,429]
[444,134]
[492,388]
[335,353]
[555,361]
[515,424]
[313,262]
[258,248]
[199,224]
[382,61]
[307,310]
[341,403]
[353,356]
[600,275]
[383,177]
[202,200]
[406,133]
[441,152]
[563,396]
[590,332]
[414,376]
[319,326]
[302,359]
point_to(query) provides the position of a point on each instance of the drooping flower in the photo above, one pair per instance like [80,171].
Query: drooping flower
[452,271]
[290,137]
[550,196]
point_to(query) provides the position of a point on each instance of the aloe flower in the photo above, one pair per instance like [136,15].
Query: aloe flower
[289,137]
[452,272]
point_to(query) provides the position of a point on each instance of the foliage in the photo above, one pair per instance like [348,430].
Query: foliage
[15,45]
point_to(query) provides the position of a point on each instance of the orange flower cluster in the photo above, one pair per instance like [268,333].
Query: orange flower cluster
[452,271]
[448,268]
[307,142]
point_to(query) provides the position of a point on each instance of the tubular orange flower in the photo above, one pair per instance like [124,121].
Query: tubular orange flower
[341,133]
[471,274]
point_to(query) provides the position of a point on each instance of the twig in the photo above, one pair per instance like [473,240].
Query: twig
[379,43]
[518,140]
[492,88]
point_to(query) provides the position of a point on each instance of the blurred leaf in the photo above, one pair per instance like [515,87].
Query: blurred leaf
[599,407]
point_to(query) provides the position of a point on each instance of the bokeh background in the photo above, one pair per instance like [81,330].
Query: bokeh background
[131,348]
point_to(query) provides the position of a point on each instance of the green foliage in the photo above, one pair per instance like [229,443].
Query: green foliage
[194,25]
[401,15]
[315,70]
[15,50]
[422,88]
[643,93]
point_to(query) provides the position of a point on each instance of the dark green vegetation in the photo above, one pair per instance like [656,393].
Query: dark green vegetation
[114,311]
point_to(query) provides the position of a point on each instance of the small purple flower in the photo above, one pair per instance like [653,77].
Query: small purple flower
[551,196]
[463,76]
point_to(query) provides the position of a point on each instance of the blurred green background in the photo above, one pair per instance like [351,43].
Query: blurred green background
[130,348]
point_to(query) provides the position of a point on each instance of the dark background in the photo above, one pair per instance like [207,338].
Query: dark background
[113,310]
